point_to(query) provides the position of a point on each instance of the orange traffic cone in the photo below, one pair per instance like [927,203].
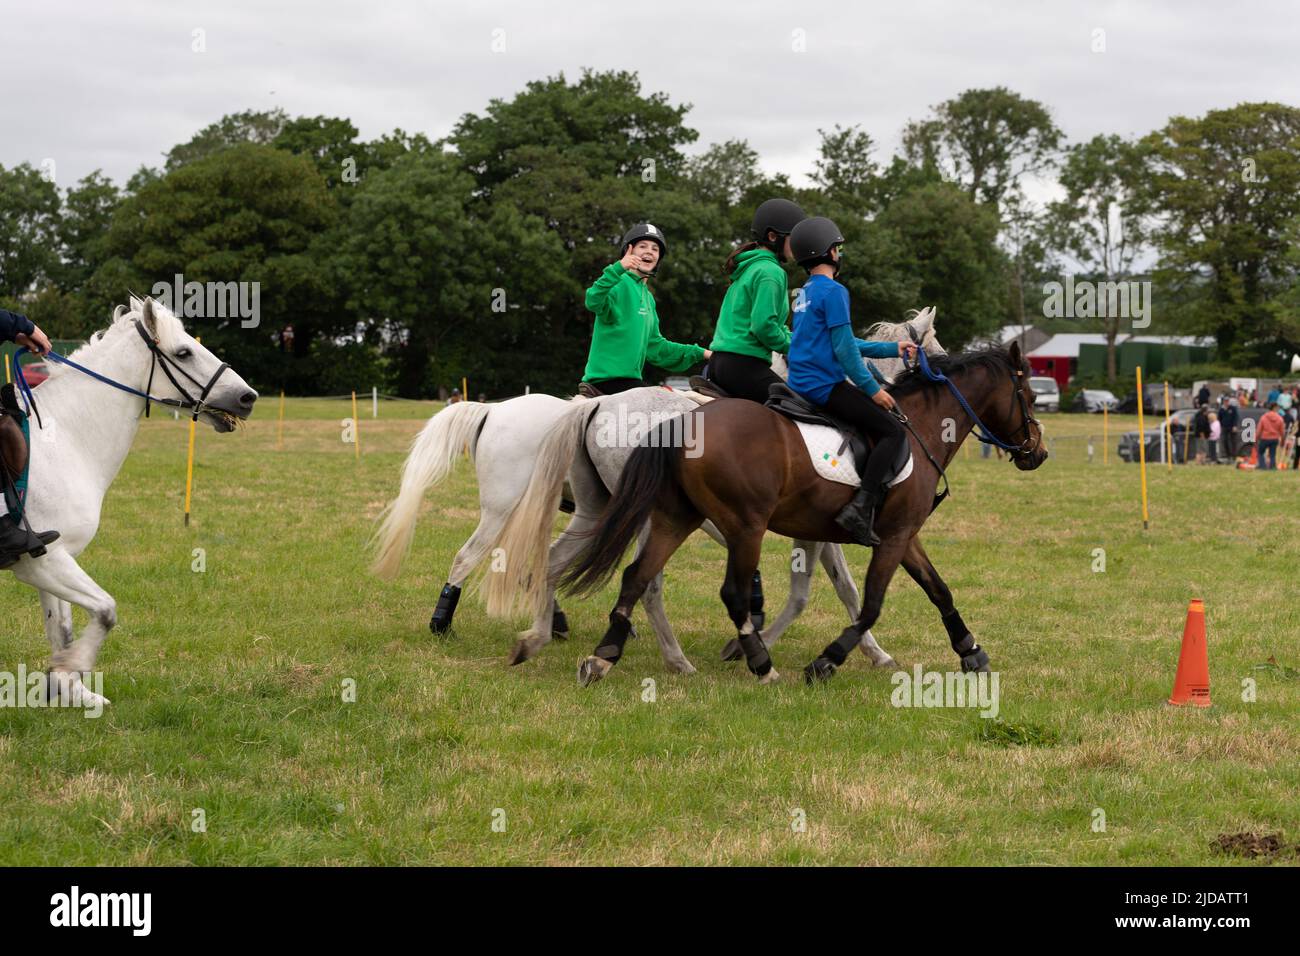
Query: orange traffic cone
[1192,682]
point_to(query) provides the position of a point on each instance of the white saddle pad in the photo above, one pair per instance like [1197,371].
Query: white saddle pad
[824,447]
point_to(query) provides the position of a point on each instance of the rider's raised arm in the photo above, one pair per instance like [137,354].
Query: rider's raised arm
[599,295]
[13,325]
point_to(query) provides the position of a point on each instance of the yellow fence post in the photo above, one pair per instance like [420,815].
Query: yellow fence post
[8,380]
[1142,449]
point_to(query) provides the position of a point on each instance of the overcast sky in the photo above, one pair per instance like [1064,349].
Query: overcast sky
[113,85]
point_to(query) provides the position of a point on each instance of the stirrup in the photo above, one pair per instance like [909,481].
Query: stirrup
[858,518]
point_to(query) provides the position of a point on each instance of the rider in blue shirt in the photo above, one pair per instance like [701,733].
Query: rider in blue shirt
[17,540]
[823,351]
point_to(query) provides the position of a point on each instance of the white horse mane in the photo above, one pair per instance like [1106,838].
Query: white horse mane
[167,327]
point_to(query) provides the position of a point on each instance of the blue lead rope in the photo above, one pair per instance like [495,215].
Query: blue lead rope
[982,431]
[25,389]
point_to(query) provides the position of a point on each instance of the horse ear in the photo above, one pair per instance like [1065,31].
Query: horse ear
[147,317]
[925,321]
[1017,359]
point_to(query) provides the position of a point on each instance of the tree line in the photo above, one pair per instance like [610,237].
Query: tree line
[410,263]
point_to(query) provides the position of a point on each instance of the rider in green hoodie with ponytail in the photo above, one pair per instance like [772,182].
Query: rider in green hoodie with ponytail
[752,323]
[626,334]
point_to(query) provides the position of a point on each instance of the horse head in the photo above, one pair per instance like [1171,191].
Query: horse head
[1019,419]
[181,369]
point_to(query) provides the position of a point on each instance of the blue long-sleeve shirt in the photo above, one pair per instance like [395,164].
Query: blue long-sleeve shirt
[13,325]
[823,348]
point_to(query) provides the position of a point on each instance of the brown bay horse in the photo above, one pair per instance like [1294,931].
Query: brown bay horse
[749,471]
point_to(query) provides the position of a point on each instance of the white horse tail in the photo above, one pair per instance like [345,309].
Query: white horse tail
[525,539]
[432,456]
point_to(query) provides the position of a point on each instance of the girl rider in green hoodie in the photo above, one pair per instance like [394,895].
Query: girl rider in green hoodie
[626,334]
[755,310]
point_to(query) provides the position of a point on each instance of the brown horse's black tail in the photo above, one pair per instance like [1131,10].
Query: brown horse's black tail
[648,473]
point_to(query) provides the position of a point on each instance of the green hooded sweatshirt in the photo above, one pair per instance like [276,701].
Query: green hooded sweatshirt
[626,334]
[755,309]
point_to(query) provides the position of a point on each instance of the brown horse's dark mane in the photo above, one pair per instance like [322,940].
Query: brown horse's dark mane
[993,359]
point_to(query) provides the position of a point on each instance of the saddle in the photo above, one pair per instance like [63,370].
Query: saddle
[785,401]
[14,454]
[13,443]
[702,385]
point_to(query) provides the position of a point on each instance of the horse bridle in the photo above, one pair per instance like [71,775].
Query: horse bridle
[159,360]
[1030,444]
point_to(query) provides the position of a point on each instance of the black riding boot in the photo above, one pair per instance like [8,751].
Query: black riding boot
[858,517]
[16,541]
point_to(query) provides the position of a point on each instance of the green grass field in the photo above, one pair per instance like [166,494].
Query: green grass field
[228,685]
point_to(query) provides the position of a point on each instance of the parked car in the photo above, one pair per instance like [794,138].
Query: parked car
[35,372]
[1179,422]
[1155,401]
[1094,400]
[1047,396]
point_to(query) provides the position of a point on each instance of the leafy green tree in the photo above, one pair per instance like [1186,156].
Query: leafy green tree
[1224,188]
[1103,221]
[251,126]
[602,122]
[246,213]
[29,224]
[845,171]
[83,228]
[986,140]
[427,272]
[949,243]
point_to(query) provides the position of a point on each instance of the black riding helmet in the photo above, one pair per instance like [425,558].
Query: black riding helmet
[778,215]
[812,240]
[646,230]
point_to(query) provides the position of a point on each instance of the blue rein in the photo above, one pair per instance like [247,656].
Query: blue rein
[157,360]
[982,431]
[26,390]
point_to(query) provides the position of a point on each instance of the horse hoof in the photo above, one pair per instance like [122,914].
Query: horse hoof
[975,662]
[771,677]
[731,651]
[819,670]
[681,667]
[591,670]
[519,653]
[439,627]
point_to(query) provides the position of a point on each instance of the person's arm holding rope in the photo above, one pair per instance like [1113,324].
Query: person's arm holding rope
[20,329]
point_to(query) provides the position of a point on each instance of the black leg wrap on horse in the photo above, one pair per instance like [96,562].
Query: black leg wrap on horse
[756,594]
[445,610]
[838,649]
[973,657]
[756,615]
[611,645]
[757,658]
